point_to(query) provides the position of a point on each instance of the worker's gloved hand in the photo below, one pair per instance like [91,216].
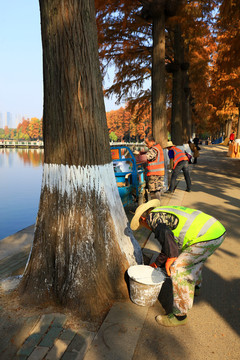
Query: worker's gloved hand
[168,264]
[154,265]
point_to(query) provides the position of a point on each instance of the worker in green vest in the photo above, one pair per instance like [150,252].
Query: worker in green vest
[187,238]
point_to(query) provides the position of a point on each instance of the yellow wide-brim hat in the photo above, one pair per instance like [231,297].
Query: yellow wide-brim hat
[135,224]
[169,144]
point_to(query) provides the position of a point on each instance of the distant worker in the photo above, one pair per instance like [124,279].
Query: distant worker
[178,162]
[232,137]
[194,150]
[155,168]
[196,141]
[187,238]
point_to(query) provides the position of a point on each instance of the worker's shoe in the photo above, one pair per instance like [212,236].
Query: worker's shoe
[170,320]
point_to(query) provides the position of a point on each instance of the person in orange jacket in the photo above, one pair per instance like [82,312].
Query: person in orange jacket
[155,168]
[178,162]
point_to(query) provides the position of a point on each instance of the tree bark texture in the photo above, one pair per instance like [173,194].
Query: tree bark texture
[177,89]
[186,109]
[159,120]
[74,109]
[238,124]
[228,127]
[82,244]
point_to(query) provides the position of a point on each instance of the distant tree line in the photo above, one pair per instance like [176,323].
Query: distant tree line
[123,125]
[26,130]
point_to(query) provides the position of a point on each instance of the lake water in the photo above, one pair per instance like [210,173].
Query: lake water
[20,188]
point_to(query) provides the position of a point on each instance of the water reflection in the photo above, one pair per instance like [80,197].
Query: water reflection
[20,187]
[35,157]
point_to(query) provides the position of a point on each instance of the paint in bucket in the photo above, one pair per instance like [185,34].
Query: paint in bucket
[145,284]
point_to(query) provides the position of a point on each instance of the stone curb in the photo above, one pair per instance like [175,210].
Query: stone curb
[119,333]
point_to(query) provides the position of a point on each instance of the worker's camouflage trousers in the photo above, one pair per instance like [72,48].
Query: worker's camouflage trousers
[186,272]
[155,183]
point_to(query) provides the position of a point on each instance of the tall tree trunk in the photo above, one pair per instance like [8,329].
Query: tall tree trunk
[82,242]
[186,115]
[186,108]
[159,117]
[228,127]
[238,123]
[177,90]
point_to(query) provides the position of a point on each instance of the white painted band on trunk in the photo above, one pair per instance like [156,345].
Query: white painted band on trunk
[68,180]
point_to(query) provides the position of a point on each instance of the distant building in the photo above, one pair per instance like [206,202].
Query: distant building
[9,120]
[5,120]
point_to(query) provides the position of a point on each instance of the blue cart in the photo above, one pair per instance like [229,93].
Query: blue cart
[129,174]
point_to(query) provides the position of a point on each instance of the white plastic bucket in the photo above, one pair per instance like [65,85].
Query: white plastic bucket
[145,284]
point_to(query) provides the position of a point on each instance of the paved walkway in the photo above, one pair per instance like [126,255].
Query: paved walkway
[130,332]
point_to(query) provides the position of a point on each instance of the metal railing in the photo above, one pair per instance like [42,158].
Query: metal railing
[22,143]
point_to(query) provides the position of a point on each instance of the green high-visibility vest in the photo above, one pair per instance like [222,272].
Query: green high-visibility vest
[194,226]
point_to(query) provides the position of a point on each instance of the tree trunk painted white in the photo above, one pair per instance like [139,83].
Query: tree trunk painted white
[97,182]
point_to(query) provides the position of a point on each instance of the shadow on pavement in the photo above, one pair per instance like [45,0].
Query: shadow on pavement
[223,296]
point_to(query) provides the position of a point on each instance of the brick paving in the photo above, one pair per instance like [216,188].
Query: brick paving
[50,340]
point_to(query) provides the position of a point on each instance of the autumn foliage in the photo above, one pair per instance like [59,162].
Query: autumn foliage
[127,126]
[210,44]
[26,130]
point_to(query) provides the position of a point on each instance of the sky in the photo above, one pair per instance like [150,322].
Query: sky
[21,79]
